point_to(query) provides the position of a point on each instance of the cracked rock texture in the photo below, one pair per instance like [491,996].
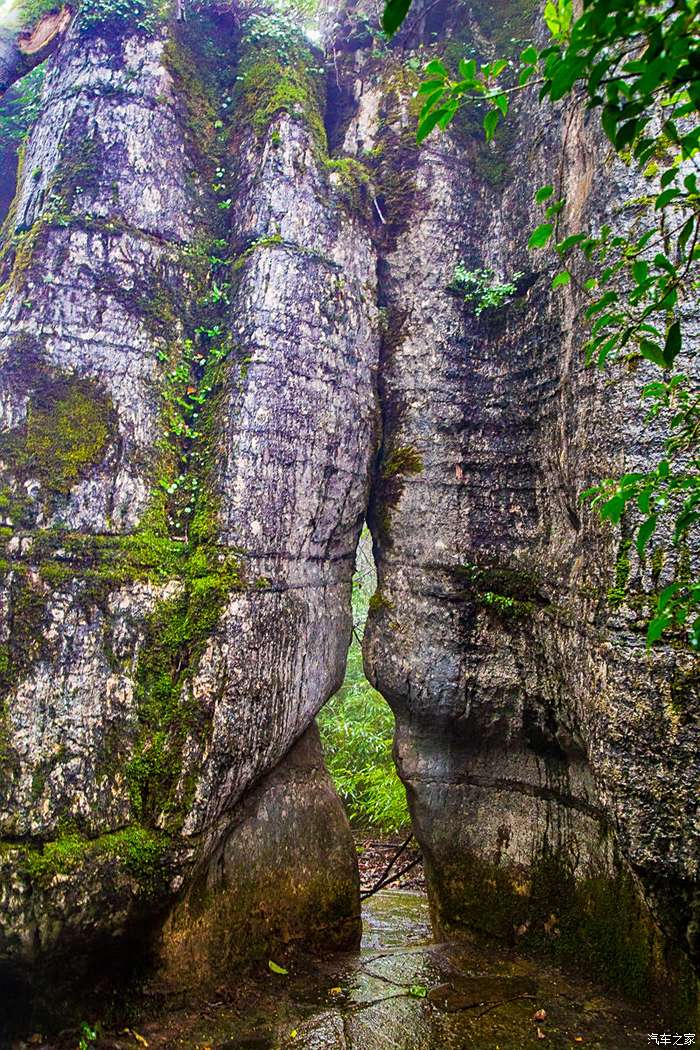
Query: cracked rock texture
[226,336]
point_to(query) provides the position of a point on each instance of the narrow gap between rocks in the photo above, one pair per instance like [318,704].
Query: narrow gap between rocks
[357,731]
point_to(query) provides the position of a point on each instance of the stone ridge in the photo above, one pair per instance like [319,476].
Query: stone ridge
[550,765]
[190,345]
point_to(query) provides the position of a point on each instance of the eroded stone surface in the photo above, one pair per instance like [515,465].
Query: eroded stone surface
[159,660]
[175,600]
[536,736]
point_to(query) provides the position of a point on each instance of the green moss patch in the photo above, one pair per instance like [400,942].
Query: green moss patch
[618,591]
[278,75]
[402,461]
[352,180]
[177,634]
[140,852]
[65,435]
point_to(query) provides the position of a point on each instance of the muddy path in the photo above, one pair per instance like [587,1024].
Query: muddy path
[401,991]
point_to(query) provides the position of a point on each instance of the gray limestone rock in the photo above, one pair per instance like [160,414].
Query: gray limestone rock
[221,347]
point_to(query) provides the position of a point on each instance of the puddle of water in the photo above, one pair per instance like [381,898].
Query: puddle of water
[395,918]
[400,992]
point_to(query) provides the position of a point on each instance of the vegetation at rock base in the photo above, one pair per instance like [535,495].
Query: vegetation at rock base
[357,732]
[638,65]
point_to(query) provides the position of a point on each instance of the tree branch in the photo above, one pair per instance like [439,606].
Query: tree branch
[23,47]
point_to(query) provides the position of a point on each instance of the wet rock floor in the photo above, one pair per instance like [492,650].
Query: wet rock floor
[400,992]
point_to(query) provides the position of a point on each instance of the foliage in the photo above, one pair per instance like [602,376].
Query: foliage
[19,108]
[276,31]
[638,64]
[88,1036]
[357,729]
[135,14]
[277,74]
[482,288]
[177,634]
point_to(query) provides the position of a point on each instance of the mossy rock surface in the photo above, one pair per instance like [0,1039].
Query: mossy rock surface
[68,428]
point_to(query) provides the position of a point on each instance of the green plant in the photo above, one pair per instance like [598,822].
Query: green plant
[19,108]
[357,729]
[145,15]
[88,1036]
[482,288]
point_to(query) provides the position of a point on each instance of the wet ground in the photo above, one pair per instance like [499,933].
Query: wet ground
[400,992]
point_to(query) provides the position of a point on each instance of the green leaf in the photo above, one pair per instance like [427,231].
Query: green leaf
[426,126]
[394,13]
[613,509]
[652,352]
[501,101]
[568,243]
[490,122]
[529,54]
[449,111]
[543,193]
[666,197]
[430,102]
[609,118]
[540,235]
[275,968]
[600,304]
[606,349]
[418,991]
[664,263]
[666,594]
[685,233]
[640,271]
[656,628]
[526,74]
[673,344]
[561,279]
[646,530]
[437,67]
[626,134]
[467,68]
[428,86]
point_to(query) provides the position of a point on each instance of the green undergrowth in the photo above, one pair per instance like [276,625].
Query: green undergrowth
[177,633]
[357,730]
